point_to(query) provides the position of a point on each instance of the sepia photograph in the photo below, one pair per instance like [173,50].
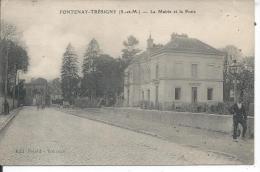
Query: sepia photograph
[127,83]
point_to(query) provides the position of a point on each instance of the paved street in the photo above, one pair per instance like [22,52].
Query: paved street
[55,138]
[205,140]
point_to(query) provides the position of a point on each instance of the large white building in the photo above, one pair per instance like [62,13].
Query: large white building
[185,70]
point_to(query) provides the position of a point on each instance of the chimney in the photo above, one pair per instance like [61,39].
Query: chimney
[149,43]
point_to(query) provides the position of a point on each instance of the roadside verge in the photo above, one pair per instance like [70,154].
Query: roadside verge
[5,119]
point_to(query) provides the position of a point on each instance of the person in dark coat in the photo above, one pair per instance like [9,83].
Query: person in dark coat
[239,116]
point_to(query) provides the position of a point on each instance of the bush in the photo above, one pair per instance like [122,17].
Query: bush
[144,104]
[87,103]
[213,107]
[200,107]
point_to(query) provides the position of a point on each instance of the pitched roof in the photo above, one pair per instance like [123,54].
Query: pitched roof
[145,54]
[184,44]
[178,44]
[140,57]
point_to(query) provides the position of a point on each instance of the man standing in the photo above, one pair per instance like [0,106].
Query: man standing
[239,116]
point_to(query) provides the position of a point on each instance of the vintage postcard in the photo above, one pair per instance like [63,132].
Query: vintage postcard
[111,82]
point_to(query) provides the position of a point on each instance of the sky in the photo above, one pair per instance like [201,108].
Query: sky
[46,32]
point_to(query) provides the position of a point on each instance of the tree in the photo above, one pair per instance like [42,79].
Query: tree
[9,32]
[55,87]
[12,52]
[69,75]
[54,90]
[92,52]
[89,80]
[130,49]
[109,81]
[231,53]
[103,82]
[17,60]
[246,79]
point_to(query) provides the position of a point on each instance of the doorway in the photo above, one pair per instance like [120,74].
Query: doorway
[156,95]
[194,95]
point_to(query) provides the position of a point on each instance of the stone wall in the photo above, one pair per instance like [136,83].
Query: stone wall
[213,122]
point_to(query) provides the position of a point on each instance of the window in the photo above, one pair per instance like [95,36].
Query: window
[157,71]
[177,93]
[142,95]
[156,94]
[210,94]
[194,70]
[128,95]
[148,95]
[194,95]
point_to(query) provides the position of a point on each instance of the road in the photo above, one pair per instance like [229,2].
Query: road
[51,137]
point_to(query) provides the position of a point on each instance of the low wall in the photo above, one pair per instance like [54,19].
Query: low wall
[213,122]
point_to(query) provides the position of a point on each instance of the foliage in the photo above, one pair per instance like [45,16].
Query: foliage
[245,79]
[55,87]
[104,81]
[91,54]
[86,102]
[69,75]
[89,80]
[244,74]
[200,107]
[9,32]
[101,75]
[231,53]
[130,49]
[10,47]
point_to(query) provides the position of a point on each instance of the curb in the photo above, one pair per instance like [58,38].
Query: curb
[11,116]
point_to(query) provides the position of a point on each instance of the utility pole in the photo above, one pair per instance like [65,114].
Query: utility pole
[15,75]
[18,89]
[6,105]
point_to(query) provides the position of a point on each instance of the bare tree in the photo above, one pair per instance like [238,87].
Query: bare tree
[10,32]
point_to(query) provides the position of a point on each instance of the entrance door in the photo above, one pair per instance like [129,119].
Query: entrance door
[194,95]
[128,92]
[156,95]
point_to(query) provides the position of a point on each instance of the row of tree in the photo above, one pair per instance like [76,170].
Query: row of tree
[13,57]
[102,75]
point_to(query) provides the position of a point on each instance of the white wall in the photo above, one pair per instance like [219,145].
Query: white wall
[175,71]
[170,85]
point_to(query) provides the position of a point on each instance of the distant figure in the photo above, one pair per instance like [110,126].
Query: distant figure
[34,101]
[43,102]
[239,116]
[38,101]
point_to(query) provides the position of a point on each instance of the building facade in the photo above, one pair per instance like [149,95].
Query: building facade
[35,90]
[185,70]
